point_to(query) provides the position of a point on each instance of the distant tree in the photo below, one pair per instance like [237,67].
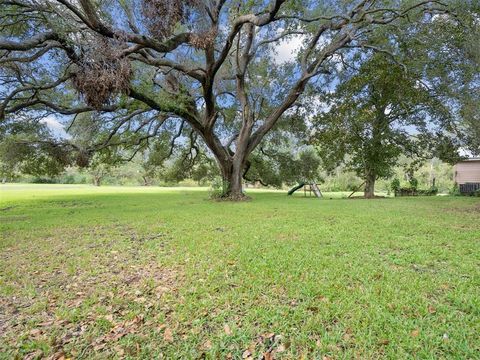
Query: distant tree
[28,147]
[171,162]
[379,113]
[98,172]
[286,166]
[101,164]
[147,171]
[143,67]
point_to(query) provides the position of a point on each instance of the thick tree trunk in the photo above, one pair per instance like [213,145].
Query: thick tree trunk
[370,186]
[232,177]
[236,187]
[232,181]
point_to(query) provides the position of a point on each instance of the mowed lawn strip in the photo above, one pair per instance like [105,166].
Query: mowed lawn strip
[148,272]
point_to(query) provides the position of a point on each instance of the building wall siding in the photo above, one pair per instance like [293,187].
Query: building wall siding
[467,172]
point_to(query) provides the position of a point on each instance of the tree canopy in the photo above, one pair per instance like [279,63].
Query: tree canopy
[375,116]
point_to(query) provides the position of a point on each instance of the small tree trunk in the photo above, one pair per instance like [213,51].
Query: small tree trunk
[370,186]
[96,180]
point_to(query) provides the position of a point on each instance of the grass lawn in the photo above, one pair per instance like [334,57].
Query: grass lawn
[165,273]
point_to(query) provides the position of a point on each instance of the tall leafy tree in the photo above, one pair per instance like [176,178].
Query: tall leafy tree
[380,113]
[207,68]
[419,97]
[450,66]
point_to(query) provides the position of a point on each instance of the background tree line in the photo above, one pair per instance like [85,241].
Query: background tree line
[133,173]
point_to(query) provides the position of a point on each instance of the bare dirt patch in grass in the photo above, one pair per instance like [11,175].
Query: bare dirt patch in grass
[475,209]
[13,218]
[7,208]
[359,197]
[99,292]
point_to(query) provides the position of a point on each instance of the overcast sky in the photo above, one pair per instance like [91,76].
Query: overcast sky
[55,126]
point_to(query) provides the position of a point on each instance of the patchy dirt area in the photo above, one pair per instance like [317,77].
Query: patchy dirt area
[364,198]
[89,300]
[474,209]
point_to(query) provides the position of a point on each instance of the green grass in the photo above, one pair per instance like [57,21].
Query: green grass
[144,272]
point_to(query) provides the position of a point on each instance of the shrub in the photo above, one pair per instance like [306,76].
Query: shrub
[455,190]
[429,192]
[41,180]
[395,184]
[407,191]
[413,183]
[216,189]
[69,179]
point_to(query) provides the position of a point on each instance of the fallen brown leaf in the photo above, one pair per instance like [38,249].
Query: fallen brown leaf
[207,345]
[269,355]
[35,332]
[119,351]
[59,355]
[247,354]
[99,346]
[227,329]
[168,335]
[37,354]
[384,342]
[415,333]
[46,323]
